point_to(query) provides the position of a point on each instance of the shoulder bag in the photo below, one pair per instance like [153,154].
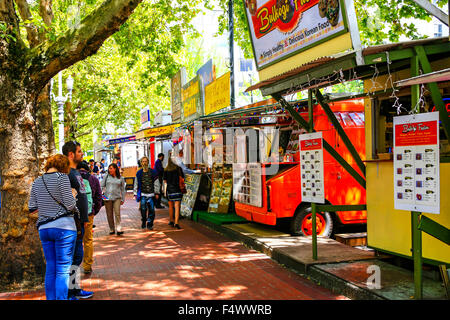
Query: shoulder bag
[181,182]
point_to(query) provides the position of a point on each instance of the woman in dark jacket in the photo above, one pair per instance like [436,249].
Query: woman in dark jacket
[171,178]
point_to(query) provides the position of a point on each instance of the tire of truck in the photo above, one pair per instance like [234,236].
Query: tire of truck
[301,223]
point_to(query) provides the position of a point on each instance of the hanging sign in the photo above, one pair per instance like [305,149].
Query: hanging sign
[217,94]
[311,164]
[176,84]
[191,96]
[416,163]
[279,28]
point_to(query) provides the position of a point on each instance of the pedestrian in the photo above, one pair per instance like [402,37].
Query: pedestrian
[72,150]
[144,192]
[172,190]
[158,172]
[179,162]
[93,167]
[114,188]
[94,195]
[52,196]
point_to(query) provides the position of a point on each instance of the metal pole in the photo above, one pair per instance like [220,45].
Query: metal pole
[231,44]
[60,102]
[417,254]
[313,205]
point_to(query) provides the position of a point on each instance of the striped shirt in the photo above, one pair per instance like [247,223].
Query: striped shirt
[59,186]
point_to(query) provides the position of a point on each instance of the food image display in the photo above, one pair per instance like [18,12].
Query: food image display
[416,163]
[292,146]
[247,183]
[192,182]
[222,185]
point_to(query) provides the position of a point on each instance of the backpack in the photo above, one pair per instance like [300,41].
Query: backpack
[87,186]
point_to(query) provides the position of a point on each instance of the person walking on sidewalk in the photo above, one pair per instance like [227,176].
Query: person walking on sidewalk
[171,178]
[114,188]
[52,196]
[158,172]
[144,192]
[72,150]
[94,194]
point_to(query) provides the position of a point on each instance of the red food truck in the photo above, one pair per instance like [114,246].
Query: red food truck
[280,194]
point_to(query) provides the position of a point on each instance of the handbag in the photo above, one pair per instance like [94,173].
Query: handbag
[182,185]
[74,213]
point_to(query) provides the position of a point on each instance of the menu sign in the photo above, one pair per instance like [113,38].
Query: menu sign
[279,28]
[311,164]
[416,163]
[222,185]
[192,182]
[175,93]
[192,100]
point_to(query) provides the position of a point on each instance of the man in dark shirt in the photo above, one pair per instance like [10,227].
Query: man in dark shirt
[158,173]
[72,150]
[144,192]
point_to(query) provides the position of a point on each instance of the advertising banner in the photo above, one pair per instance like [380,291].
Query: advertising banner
[176,84]
[416,163]
[280,28]
[247,187]
[122,140]
[191,96]
[217,94]
[311,164]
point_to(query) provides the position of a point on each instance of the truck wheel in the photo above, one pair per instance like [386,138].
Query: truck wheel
[301,223]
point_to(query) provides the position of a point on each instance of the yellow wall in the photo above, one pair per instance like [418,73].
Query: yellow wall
[389,229]
[328,48]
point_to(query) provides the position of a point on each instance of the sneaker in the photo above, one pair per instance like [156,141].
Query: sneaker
[84,294]
[112,232]
[72,298]
[177,226]
[143,224]
[119,233]
[171,223]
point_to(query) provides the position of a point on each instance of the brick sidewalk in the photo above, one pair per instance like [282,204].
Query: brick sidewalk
[193,263]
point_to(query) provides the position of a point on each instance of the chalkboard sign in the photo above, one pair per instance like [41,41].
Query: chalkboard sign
[192,182]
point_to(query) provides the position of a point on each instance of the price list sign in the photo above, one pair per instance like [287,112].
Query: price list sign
[311,167]
[416,163]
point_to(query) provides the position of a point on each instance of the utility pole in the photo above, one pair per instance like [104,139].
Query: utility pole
[231,42]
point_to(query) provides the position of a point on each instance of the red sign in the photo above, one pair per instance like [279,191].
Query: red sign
[279,14]
[418,133]
[312,144]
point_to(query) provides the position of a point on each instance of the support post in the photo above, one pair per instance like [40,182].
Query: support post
[313,205]
[416,235]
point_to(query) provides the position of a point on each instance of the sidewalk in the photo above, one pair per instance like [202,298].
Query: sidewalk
[194,263]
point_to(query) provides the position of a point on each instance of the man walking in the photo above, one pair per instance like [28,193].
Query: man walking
[94,205]
[144,192]
[72,150]
[158,173]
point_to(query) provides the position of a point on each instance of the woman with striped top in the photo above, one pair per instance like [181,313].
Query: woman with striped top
[52,196]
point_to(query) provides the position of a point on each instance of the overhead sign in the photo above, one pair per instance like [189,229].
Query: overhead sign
[145,115]
[156,131]
[217,94]
[281,28]
[122,140]
[176,84]
[416,163]
[311,164]
[192,102]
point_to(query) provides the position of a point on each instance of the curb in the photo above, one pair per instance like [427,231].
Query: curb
[324,279]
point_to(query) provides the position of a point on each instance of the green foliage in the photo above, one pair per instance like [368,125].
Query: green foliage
[4,34]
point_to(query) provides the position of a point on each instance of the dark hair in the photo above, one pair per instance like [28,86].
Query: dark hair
[59,162]
[160,155]
[83,165]
[102,160]
[92,160]
[70,146]
[116,168]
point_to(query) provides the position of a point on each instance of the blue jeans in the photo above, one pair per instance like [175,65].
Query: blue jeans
[58,246]
[147,205]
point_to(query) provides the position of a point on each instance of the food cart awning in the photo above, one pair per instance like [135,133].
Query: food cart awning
[156,131]
[330,70]
[438,76]
[121,140]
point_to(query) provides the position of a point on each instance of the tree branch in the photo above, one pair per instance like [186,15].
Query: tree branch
[46,11]
[47,59]
[25,14]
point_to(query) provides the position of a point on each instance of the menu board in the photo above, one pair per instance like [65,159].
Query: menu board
[192,182]
[416,163]
[311,164]
[222,185]
[247,183]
